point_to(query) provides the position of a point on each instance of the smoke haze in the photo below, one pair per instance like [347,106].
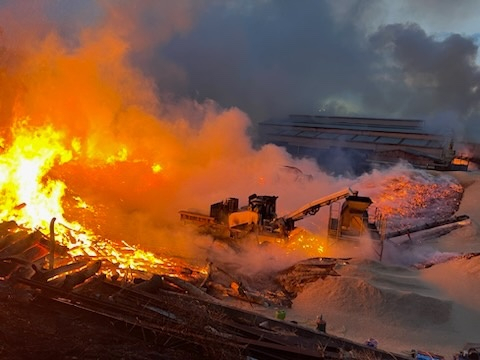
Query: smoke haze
[179,87]
[155,102]
[272,58]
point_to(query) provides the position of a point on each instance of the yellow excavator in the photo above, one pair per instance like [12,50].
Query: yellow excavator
[227,220]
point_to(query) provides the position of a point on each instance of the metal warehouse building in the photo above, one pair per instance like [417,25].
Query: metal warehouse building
[363,141]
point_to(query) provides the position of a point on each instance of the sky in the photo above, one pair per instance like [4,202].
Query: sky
[373,58]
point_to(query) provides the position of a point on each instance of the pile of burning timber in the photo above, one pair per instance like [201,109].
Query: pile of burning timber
[171,310]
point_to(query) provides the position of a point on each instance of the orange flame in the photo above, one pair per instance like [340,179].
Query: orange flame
[311,244]
[31,197]
[24,176]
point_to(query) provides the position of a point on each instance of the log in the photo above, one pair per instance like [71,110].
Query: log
[11,238]
[21,245]
[244,295]
[13,267]
[79,277]
[34,254]
[152,285]
[45,275]
[218,290]
[7,226]
[51,258]
[209,274]
[189,288]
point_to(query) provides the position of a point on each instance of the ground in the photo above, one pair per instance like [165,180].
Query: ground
[32,330]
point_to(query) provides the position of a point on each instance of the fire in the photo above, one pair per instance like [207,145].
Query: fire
[408,197]
[311,244]
[121,155]
[156,168]
[32,197]
[24,176]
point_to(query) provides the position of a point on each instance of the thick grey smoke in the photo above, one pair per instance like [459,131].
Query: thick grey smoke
[272,58]
[429,76]
[276,58]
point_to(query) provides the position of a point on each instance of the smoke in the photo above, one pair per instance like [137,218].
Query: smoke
[437,75]
[270,59]
[120,83]
[460,287]
[138,156]
[328,57]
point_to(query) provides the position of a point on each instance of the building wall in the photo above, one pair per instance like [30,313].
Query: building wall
[322,135]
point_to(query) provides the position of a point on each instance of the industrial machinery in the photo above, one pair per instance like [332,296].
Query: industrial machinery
[349,219]
[227,220]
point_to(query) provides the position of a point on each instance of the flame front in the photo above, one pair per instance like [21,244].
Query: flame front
[311,244]
[31,197]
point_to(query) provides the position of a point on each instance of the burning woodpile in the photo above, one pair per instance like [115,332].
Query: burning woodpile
[170,311]
[414,198]
[164,301]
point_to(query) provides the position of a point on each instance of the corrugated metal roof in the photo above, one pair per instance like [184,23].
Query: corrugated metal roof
[346,126]
[327,136]
[320,119]
[365,138]
[309,134]
[372,139]
[388,140]
[287,132]
[362,134]
[345,137]
[415,142]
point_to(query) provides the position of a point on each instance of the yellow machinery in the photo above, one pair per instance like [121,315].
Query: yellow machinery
[349,218]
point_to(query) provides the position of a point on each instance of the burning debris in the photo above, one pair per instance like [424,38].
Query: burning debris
[296,277]
[33,255]
[86,140]
[66,264]
[161,307]
[73,267]
[414,198]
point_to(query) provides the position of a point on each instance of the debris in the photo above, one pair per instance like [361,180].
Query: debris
[162,309]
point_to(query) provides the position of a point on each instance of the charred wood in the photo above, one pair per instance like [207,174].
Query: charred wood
[51,258]
[45,275]
[10,238]
[7,226]
[152,285]
[80,276]
[202,323]
[13,266]
[189,288]
[34,254]
[296,277]
[21,245]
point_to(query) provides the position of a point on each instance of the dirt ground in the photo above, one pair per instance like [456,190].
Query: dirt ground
[31,330]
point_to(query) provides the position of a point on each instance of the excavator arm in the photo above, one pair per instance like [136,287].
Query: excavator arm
[287,221]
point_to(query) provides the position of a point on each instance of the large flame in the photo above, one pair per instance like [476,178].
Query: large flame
[32,197]
[29,196]
[91,141]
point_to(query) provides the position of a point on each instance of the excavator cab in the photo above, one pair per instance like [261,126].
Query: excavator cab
[265,206]
[351,219]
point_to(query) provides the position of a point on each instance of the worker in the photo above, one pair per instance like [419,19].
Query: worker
[321,324]
[371,342]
